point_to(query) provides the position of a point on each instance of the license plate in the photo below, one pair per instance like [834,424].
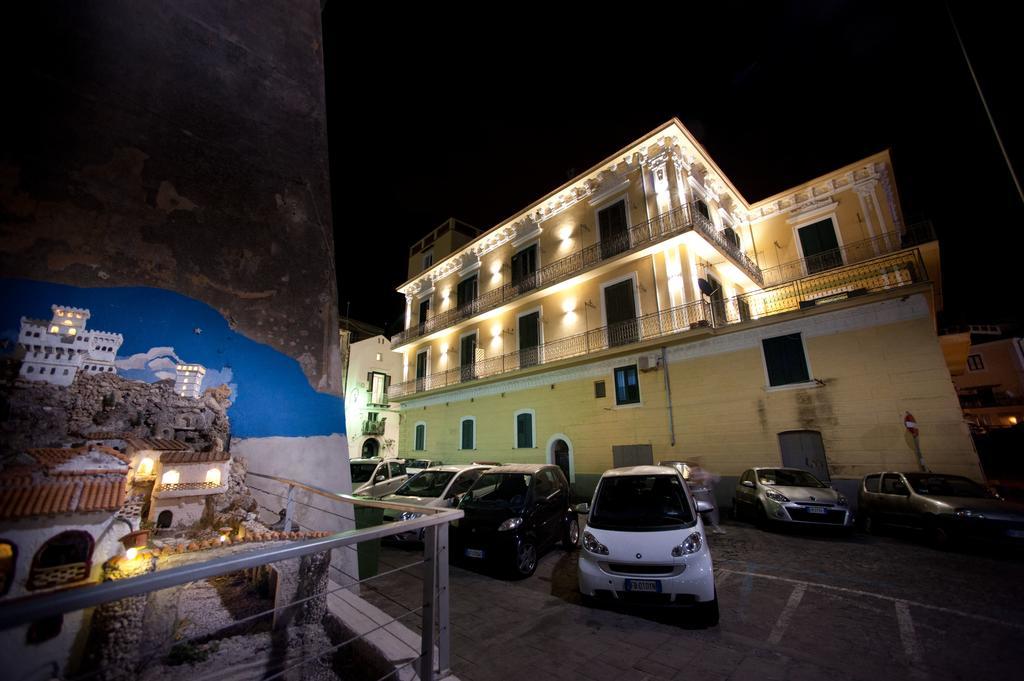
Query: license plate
[652,586]
[817,509]
[474,553]
[1016,534]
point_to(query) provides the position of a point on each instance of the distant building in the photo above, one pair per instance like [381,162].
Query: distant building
[371,421]
[189,381]
[55,351]
[352,331]
[988,372]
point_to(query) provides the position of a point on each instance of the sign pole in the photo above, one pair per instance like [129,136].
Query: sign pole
[910,423]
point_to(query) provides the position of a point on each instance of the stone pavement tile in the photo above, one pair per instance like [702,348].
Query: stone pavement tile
[656,669]
[759,667]
[622,655]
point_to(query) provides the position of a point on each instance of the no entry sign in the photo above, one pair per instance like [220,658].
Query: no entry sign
[911,423]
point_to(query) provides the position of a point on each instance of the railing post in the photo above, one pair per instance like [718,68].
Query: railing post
[426,665]
[443,631]
[289,509]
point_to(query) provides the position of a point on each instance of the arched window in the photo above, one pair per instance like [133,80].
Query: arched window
[525,431]
[213,475]
[64,559]
[145,467]
[164,519]
[8,561]
[170,478]
[467,432]
[420,443]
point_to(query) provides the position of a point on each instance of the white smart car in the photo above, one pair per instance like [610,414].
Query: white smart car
[644,542]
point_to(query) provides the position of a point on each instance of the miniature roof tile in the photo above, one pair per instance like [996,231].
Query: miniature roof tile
[52,457]
[157,444]
[194,457]
[61,494]
[105,435]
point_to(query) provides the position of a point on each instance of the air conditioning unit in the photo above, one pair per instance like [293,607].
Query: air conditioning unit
[648,362]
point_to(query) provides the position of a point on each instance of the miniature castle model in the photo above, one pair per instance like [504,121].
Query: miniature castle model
[189,380]
[57,350]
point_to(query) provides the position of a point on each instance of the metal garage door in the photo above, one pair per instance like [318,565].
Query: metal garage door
[632,455]
[804,449]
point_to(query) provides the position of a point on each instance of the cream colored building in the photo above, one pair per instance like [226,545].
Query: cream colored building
[371,421]
[647,311]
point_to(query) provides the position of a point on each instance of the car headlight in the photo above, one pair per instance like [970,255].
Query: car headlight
[964,513]
[409,515]
[690,545]
[591,544]
[841,500]
[510,524]
[776,496]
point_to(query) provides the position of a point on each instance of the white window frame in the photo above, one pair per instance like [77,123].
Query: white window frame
[808,219]
[461,421]
[515,428]
[810,383]
[414,429]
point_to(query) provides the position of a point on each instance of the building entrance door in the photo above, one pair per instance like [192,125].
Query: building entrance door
[804,449]
[620,312]
[560,457]
[370,448]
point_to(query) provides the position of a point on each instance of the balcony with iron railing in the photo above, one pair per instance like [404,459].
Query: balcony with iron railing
[678,221]
[371,427]
[840,283]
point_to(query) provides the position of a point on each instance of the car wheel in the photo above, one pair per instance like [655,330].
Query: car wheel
[938,536]
[734,512]
[572,535]
[761,517]
[868,524]
[708,612]
[526,559]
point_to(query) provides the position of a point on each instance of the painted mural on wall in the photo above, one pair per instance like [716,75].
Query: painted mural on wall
[143,361]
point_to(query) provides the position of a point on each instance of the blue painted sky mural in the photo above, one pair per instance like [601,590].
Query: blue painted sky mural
[271,396]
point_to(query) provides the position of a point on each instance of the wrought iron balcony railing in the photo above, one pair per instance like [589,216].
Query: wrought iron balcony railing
[882,273]
[849,254]
[674,222]
[373,427]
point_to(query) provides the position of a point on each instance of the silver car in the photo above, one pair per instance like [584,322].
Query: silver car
[438,487]
[789,495]
[376,477]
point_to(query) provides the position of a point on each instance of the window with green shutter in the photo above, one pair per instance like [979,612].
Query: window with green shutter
[524,430]
[785,360]
[468,434]
[421,437]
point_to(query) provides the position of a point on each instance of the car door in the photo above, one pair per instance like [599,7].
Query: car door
[396,476]
[744,494]
[893,502]
[867,496]
[543,489]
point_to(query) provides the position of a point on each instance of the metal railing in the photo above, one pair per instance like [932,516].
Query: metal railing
[435,635]
[373,427]
[885,272]
[850,254]
[672,223]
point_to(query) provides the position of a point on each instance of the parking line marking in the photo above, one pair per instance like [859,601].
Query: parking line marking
[858,592]
[786,616]
[909,638]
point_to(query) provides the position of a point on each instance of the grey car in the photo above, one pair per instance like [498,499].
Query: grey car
[947,508]
[789,495]
[376,477]
[437,487]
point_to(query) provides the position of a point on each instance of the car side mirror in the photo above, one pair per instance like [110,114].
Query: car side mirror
[583,508]
[380,478]
[747,483]
[704,506]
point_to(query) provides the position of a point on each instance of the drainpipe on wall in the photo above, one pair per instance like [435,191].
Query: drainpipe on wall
[668,395]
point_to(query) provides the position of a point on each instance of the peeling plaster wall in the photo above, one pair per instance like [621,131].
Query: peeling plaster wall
[180,145]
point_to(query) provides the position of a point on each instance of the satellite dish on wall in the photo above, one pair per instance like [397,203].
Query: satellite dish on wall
[705,287]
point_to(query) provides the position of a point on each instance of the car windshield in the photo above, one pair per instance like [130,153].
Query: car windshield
[788,478]
[502,490]
[946,486]
[640,502]
[361,472]
[417,463]
[426,484]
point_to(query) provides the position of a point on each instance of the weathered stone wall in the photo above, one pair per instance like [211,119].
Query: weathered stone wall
[44,415]
[180,145]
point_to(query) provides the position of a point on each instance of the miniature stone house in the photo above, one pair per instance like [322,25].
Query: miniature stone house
[56,350]
[184,480]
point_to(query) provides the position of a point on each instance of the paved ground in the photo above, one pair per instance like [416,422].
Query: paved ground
[793,606]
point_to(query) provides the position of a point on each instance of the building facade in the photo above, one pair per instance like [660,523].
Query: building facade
[991,384]
[55,351]
[371,420]
[646,311]
[188,380]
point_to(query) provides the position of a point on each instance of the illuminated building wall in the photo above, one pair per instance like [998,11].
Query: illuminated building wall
[655,248]
[188,381]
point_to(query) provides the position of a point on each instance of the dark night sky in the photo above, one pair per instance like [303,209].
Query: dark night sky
[477,125]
